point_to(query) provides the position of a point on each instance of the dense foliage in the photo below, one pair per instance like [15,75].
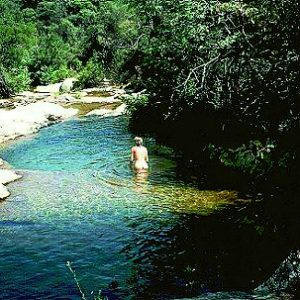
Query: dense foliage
[17,41]
[222,76]
[47,41]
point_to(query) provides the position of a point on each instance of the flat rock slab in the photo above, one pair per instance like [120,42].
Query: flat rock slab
[92,99]
[25,120]
[6,104]
[50,88]
[104,112]
[4,193]
[7,176]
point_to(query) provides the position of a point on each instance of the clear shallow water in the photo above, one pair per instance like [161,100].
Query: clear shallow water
[79,201]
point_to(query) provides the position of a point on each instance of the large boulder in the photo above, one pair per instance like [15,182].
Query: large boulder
[67,85]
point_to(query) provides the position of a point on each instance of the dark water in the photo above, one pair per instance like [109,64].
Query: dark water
[132,236]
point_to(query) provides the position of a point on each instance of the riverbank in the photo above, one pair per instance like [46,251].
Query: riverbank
[27,112]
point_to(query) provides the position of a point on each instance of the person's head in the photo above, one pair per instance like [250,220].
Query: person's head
[138,141]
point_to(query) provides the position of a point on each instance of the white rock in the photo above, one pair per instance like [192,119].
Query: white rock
[6,104]
[98,89]
[7,176]
[4,193]
[50,88]
[119,91]
[67,85]
[1,162]
[104,112]
[25,120]
[92,99]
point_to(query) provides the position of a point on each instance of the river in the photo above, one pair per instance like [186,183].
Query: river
[132,236]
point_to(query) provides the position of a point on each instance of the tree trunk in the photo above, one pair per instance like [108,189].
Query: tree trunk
[5,91]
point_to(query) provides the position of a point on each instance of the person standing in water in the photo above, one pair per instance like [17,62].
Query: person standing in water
[139,155]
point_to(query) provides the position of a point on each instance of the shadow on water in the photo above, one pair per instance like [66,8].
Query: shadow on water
[236,249]
[134,236]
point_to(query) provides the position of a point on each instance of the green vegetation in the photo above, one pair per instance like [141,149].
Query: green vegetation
[17,42]
[47,41]
[222,74]
[224,77]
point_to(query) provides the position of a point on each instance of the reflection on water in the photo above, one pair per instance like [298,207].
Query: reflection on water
[133,235]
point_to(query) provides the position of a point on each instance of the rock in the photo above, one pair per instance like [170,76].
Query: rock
[119,91]
[67,85]
[139,93]
[104,112]
[6,104]
[286,276]
[7,176]
[50,88]
[83,94]
[69,98]
[93,99]
[1,162]
[25,120]
[4,193]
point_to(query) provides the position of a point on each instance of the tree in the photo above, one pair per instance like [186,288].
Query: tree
[4,89]
[224,74]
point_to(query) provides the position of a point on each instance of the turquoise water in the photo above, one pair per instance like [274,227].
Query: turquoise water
[132,236]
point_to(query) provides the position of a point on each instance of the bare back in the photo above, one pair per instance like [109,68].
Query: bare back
[139,153]
[139,156]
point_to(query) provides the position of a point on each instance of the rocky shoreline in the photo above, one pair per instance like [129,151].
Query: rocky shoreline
[26,113]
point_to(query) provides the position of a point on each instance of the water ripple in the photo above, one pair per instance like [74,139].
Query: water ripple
[79,201]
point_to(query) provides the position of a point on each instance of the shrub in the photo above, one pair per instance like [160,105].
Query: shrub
[91,75]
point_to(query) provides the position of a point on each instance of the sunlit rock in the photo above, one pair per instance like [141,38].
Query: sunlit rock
[104,112]
[7,176]
[67,85]
[50,88]
[25,120]
[93,99]
[6,104]
[4,193]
